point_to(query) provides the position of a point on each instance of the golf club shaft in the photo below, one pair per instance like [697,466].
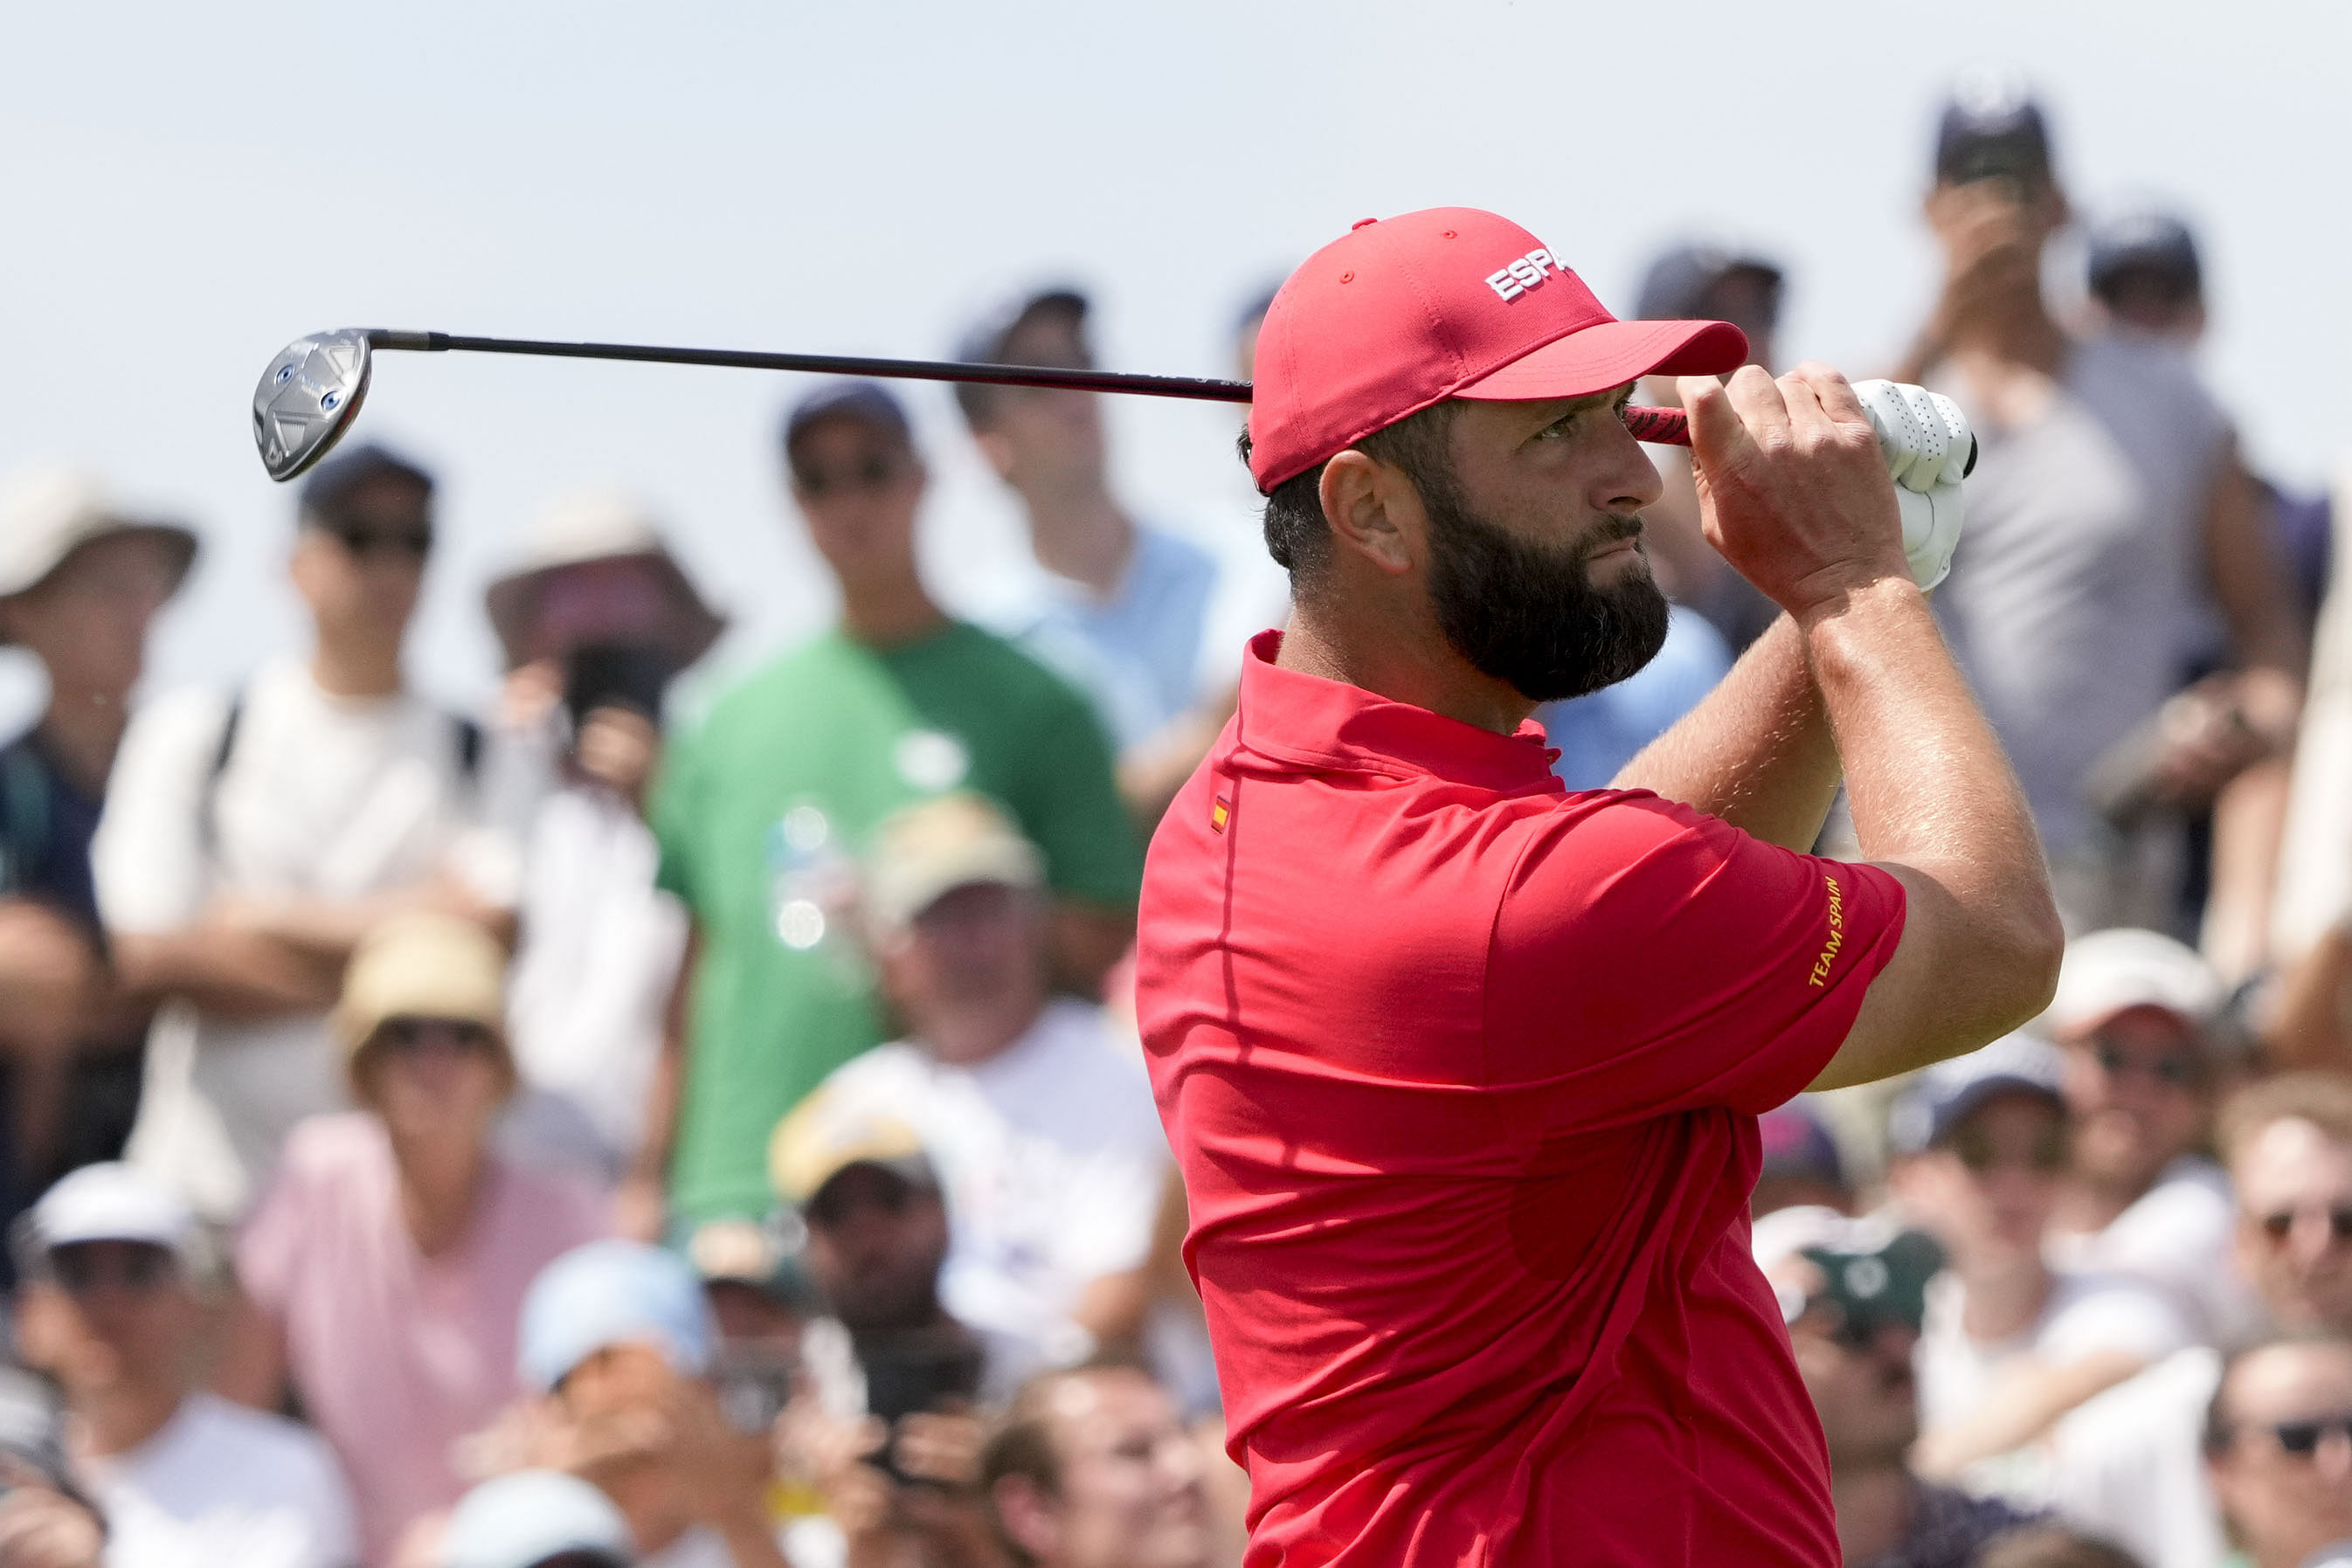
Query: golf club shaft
[1661,426]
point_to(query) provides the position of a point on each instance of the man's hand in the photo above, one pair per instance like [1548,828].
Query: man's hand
[1993,264]
[1793,484]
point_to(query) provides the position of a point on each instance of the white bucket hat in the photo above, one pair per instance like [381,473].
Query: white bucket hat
[598,525]
[49,512]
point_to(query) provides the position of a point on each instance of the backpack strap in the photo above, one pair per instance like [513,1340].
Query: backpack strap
[24,830]
[208,806]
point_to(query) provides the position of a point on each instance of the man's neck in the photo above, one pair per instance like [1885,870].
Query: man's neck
[968,1038]
[355,666]
[437,1194]
[1873,1505]
[890,612]
[2003,1298]
[1404,664]
[2024,336]
[1080,534]
[80,731]
[2089,1202]
[119,1419]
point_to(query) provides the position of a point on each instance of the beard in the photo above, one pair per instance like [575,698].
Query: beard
[1528,614]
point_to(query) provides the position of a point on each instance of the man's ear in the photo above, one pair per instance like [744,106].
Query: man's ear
[1030,1518]
[1373,510]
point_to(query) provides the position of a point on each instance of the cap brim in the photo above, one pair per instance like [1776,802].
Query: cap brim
[1610,355]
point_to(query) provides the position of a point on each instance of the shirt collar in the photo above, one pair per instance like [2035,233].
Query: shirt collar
[1299,721]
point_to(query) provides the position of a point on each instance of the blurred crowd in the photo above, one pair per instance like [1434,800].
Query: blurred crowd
[556,1135]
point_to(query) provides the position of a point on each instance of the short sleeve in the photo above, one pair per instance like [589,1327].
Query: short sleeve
[149,861]
[1070,806]
[1647,958]
[673,814]
[2112,1316]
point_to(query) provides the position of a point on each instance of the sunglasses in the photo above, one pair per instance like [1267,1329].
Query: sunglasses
[2176,1070]
[82,1269]
[2279,1224]
[1976,1151]
[409,1035]
[365,544]
[873,474]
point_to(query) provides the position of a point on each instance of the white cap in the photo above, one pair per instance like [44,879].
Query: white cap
[46,512]
[113,1202]
[526,1518]
[2110,972]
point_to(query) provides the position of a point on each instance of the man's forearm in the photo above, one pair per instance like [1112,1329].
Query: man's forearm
[1932,796]
[236,974]
[1758,752]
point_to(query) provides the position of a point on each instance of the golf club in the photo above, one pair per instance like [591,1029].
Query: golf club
[313,389]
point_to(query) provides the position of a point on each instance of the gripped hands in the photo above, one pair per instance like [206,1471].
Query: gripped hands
[1792,485]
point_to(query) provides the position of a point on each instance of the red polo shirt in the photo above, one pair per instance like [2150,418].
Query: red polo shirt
[1463,1071]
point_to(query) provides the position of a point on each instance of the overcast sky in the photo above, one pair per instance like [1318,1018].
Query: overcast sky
[183,188]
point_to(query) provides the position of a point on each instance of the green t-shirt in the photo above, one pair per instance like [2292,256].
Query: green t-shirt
[762,814]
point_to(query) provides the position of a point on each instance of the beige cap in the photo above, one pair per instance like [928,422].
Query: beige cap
[929,849]
[49,512]
[828,1133]
[598,524]
[423,966]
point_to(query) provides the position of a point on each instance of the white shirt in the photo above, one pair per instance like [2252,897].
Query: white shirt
[2085,1314]
[1051,1158]
[2177,1237]
[323,796]
[224,1487]
[2129,1465]
[601,947]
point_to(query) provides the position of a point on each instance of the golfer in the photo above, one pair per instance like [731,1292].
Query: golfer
[1463,1071]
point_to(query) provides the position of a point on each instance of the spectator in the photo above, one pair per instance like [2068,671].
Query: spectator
[2130,1463]
[1091,1468]
[618,1338]
[2109,520]
[2278,1445]
[45,1523]
[761,812]
[186,1479]
[2007,1344]
[81,581]
[249,842]
[1042,1129]
[1704,283]
[1124,604]
[594,621]
[383,1266]
[761,1299]
[2135,1018]
[1852,1292]
[877,1231]
[1802,1167]
[536,1518]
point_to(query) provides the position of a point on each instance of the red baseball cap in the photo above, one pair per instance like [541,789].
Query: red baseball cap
[1400,313]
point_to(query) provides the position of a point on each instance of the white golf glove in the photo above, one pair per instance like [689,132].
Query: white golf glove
[1928,444]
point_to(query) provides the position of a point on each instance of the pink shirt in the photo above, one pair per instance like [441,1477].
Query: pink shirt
[398,1355]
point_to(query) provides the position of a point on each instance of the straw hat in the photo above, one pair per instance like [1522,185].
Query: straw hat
[46,513]
[423,966]
[602,524]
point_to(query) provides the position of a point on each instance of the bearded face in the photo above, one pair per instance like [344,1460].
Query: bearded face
[1526,613]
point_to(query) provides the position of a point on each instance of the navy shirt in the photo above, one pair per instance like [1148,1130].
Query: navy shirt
[46,826]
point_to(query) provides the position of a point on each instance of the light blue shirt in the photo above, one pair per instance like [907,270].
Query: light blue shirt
[1135,653]
[1599,734]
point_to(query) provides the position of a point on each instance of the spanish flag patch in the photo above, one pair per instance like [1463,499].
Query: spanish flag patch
[1220,811]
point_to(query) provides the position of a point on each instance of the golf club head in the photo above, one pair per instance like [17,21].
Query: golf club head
[308,398]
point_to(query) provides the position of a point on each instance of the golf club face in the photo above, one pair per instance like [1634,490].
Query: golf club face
[308,398]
